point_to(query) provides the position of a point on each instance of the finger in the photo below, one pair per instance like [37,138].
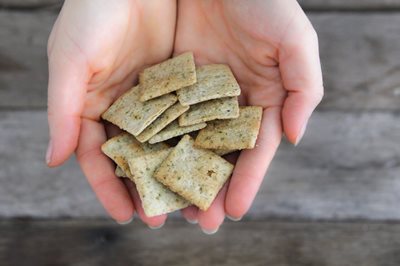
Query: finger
[190,214]
[252,165]
[153,222]
[99,171]
[211,219]
[300,68]
[66,90]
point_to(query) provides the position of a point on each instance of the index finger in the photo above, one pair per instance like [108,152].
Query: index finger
[252,164]
[300,68]
[99,170]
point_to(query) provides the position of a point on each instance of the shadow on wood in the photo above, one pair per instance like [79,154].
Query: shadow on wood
[244,243]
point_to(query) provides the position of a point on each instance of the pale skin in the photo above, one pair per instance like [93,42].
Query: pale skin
[97,48]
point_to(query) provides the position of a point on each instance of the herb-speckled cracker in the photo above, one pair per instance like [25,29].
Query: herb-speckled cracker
[168,76]
[162,121]
[240,133]
[156,198]
[224,108]
[134,116]
[213,82]
[124,146]
[173,130]
[195,174]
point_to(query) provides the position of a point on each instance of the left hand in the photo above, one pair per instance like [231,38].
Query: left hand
[96,50]
[272,50]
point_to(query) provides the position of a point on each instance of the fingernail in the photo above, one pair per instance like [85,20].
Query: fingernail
[155,227]
[49,152]
[209,232]
[192,221]
[234,219]
[301,134]
[126,222]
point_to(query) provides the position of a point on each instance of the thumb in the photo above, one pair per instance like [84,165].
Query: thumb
[302,78]
[66,92]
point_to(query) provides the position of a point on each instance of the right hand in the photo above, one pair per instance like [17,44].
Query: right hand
[272,50]
[95,51]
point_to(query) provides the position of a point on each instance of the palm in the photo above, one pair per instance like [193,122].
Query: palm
[222,33]
[249,38]
[114,41]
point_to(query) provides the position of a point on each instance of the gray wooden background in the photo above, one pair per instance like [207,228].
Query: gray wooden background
[334,200]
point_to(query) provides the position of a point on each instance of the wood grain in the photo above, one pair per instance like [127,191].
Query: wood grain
[23,60]
[30,4]
[27,186]
[359,54]
[359,59]
[245,243]
[349,5]
[347,167]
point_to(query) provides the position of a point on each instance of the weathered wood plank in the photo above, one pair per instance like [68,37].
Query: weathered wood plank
[360,60]
[347,167]
[349,5]
[359,57]
[28,187]
[33,4]
[23,60]
[246,243]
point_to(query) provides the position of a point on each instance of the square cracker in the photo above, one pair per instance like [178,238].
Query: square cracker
[162,121]
[124,146]
[213,82]
[195,174]
[174,130]
[156,198]
[224,108]
[168,76]
[128,113]
[235,134]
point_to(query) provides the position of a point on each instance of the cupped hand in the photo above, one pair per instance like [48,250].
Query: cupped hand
[95,51]
[272,50]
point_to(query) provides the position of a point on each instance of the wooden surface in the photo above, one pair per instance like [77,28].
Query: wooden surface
[97,243]
[23,61]
[353,5]
[347,167]
[359,56]
[331,201]
[360,60]
[30,4]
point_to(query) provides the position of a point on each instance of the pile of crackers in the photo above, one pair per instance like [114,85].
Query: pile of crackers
[175,98]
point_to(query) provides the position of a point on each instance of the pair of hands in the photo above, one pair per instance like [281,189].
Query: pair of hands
[97,48]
